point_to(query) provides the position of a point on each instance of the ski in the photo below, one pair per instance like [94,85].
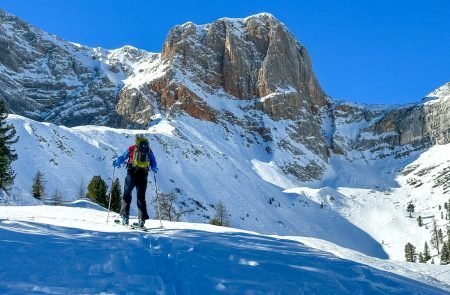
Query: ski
[134,225]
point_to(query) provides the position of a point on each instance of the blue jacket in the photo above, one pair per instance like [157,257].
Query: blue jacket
[120,160]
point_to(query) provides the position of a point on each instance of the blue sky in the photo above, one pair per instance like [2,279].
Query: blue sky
[366,51]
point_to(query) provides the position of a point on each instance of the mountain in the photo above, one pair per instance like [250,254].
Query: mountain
[235,114]
[248,72]
[359,204]
[46,78]
[394,130]
[73,250]
[199,73]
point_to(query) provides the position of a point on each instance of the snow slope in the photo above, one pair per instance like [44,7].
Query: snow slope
[70,250]
[201,168]
[374,196]
[363,202]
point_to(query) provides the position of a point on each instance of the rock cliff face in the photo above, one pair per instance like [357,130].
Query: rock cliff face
[437,115]
[254,59]
[249,75]
[48,79]
[397,131]
[248,58]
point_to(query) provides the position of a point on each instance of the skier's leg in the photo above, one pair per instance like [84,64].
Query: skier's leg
[141,187]
[126,199]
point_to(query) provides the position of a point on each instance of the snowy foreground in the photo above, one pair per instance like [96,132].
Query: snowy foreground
[71,250]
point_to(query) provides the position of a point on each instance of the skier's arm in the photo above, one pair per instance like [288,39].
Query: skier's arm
[153,164]
[119,161]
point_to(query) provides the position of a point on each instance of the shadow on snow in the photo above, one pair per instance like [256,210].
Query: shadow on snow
[39,258]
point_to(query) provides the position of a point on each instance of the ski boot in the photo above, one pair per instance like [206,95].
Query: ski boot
[125,220]
[141,224]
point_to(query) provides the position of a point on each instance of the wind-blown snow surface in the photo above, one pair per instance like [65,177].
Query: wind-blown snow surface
[70,250]
[364,202]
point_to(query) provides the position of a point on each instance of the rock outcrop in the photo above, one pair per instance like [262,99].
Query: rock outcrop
[48,79]
[390,130]
[255,58]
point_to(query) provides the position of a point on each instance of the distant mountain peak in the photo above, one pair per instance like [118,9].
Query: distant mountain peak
[264,15]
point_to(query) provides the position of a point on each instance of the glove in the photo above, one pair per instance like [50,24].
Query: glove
[115,164]
[155,170]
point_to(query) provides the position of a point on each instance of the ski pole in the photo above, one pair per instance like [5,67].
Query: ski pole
[157,199]
[110,194]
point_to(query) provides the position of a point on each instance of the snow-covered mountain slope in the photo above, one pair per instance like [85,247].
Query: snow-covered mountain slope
[49,79]
[375,195]
[200,168]
[70,250]
[441,93]
[359,205]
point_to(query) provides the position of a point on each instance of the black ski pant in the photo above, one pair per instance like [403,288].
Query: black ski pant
[135,178]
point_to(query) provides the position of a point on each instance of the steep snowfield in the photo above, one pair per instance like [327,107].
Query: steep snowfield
[377,194]
[201,168]
[363,202]
[71,250]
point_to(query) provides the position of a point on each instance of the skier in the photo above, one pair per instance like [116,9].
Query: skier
[140,160]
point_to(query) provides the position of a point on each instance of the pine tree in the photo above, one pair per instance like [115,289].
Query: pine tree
[448,249]
[221,216]
[115,196]
[420,221]
[410,252]
[448,208]
[37,188]
[440,236]
[421,260]
[97,189]
[435,237]
[7,154]
[426,252]
[410,209]
[445,254]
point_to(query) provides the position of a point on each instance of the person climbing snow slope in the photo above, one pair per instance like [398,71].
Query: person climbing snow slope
[140,160]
